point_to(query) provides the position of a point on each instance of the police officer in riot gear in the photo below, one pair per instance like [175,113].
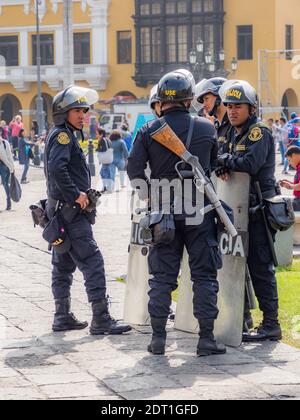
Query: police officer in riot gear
[175,93]
[208,96]
[68,180]
[251,150]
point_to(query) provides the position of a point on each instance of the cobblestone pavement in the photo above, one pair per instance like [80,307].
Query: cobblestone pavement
[37,364]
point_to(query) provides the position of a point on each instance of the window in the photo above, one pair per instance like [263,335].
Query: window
[208,5]
[209,44]
[156,45]
[177,44]
[124,47]
[82,48]
[289,32]
[145,9]
[145,45]
[245,42]
[182,43]
[182,7]
[197,6]
[47,50]
[170,7]
[9,49]
[156,9]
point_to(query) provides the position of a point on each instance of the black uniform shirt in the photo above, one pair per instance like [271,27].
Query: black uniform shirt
[222,131]
[162,161]
[254,153]
[68,173]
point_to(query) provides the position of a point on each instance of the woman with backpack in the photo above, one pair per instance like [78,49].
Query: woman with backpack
[6,166]
[105,157]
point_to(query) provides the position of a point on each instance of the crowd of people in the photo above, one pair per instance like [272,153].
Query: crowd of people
[113,151]
[17,147]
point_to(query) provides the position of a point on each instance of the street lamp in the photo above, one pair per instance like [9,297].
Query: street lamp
[39,99]
[234,65]
[222,55]
[208,57]
[206,62]
[193,57]
[200,45]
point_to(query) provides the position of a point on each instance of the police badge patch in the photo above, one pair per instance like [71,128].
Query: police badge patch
[63,139]
[256,134]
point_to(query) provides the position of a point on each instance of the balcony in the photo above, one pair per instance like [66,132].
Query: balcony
[96,76]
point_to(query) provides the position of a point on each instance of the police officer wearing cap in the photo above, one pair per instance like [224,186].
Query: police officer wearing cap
[208,95]
[251,149]
[200,240]
[68,179]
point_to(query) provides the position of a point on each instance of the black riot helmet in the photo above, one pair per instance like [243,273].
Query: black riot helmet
[73,97]
[238,92]
[176,86]
[210,86]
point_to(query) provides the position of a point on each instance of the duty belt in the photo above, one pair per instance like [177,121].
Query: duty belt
[68,212]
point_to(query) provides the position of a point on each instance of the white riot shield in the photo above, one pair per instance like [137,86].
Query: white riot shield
[231,298]
[137,282]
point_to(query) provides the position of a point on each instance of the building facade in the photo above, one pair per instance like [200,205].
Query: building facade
[122,47]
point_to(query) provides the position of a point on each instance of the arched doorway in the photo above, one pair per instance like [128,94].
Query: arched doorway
[10,106]
[47,101]
[290,102]
[124,96]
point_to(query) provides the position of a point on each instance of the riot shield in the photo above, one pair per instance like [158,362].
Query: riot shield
[232,277]
[137,281]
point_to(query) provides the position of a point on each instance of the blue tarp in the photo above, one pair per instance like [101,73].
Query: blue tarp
[141,120]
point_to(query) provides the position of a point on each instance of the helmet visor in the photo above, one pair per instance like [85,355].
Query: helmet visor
[79,97]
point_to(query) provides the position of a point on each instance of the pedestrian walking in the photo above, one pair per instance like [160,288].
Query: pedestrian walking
[25,154]
[6,166]
[120,158]
[16,126]
[105,156]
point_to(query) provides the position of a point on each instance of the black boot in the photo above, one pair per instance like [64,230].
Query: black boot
[269,329]
[207,346]
[103,323]
[248,320]
[8,205]
[64,320]
[159,336]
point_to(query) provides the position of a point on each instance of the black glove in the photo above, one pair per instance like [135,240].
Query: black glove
[225,161]
[93,196]
[221,171]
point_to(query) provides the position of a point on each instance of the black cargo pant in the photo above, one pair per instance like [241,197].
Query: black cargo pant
[84,255]
[261,267]
[204,260]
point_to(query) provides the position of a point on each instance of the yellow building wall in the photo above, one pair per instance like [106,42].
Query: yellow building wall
[260,14]
[120,19]
[287,13]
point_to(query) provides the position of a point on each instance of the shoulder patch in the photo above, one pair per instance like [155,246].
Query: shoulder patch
[256,134]
[63,139]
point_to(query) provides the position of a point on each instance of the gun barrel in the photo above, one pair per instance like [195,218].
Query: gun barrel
[213,198]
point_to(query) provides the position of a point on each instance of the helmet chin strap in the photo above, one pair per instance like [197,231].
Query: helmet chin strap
[213,112]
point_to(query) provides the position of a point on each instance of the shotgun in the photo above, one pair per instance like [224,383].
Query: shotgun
[167,138]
